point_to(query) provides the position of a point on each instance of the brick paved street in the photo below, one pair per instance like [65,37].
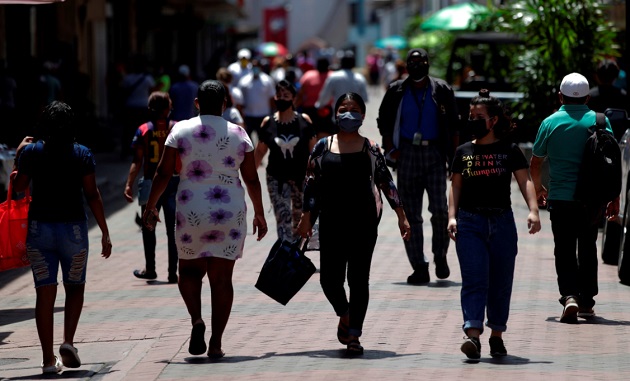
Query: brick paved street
[136,330]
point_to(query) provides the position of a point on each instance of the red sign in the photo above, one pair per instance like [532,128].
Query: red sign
[275,25]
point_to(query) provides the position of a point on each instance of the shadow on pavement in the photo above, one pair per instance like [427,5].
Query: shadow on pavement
[73,374]
[11,316]
[592,320]
[438,284]
[330,353]
[507,360]
[227,359]
[370,354]
[8,276]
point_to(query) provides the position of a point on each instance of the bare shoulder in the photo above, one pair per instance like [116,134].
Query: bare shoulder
[307,118]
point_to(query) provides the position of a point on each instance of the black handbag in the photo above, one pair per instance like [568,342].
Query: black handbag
[285,271]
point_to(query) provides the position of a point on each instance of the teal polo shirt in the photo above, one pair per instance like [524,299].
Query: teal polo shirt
[561,138]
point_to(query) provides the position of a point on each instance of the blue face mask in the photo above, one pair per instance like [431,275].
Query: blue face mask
[256,70]
[349,121]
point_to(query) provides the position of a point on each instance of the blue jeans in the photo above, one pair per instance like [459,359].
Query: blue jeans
[486,248]
[149,240]
[52,243]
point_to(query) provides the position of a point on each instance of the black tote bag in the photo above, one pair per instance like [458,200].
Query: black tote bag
[285,271]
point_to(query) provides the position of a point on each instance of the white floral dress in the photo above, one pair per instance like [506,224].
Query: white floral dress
[211,209]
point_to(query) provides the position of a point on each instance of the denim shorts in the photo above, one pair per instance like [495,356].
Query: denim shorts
[52,243]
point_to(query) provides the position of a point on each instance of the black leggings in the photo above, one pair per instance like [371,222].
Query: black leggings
[339,250]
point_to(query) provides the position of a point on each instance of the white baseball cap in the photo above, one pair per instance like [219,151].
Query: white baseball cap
[244,53]
[574,85]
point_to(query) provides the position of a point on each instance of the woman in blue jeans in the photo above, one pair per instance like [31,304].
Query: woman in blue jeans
[481,221]
[62,174]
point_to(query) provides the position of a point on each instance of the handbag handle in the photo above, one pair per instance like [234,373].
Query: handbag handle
[27,192]
[301,244]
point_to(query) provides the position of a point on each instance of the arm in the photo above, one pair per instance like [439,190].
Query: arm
[261,147]
[454,123]
[250,178]
[95,202]
[136,164]
[529,194]
[385,182]
[299,98]
[26,141]
[324,94]
[311,190]
[21,180]
[453,204]
[384,121]
[612,209]
[313,140]
[163,174]
[535,169]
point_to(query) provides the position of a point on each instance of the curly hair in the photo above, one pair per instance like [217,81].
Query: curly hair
[56,125]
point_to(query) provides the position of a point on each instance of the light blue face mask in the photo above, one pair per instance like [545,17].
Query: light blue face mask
[349,121]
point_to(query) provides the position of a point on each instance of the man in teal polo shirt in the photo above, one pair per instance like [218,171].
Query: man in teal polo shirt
[561,139]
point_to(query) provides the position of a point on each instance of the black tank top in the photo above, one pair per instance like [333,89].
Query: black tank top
[347,187]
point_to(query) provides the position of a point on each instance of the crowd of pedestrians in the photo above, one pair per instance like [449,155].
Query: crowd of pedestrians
[194,143]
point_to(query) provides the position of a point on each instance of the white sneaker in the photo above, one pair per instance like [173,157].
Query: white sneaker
[586,313]
[570,311]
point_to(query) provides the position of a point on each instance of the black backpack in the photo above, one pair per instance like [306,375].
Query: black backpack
[599,179]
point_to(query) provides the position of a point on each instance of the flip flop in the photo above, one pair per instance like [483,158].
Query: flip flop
[197,345]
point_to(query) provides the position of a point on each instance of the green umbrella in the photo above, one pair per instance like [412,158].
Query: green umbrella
[454,17]
[272,49]
[394,42]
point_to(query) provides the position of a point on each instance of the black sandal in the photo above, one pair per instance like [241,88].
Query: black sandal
[354,348]
[343,334]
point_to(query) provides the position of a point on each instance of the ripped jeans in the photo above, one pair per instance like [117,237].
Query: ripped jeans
[52,243]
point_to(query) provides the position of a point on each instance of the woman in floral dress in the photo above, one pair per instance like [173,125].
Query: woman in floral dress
[210,229]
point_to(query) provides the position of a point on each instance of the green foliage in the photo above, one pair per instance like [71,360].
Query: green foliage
[437,44]
[412,27]
[561,36]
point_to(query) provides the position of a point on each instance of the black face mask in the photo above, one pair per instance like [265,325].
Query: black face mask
[417,71]
[283,104]
[477,128]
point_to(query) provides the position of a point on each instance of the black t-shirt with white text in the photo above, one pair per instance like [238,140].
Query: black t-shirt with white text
[486,171]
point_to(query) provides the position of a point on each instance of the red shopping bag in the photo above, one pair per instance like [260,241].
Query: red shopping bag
[13,229]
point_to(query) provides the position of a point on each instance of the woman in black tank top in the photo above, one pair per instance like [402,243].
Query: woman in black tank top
[345,175]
